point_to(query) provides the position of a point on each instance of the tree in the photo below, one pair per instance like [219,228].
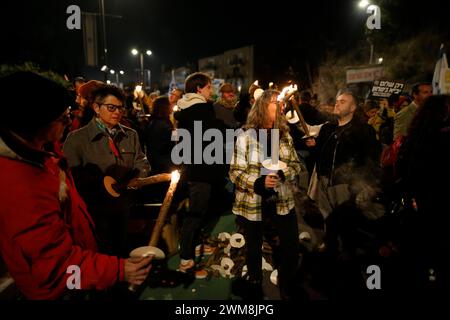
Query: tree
[410,60]
[6,69]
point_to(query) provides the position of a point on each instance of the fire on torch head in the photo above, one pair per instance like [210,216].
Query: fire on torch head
[286,92]
[175,176]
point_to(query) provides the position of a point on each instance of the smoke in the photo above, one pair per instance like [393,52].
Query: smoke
[364,185]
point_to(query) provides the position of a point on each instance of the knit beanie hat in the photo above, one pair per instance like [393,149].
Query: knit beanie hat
[30,101]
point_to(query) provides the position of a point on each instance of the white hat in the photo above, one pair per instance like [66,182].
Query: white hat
[292,118]
[258,92]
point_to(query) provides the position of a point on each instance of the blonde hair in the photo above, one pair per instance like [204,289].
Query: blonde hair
[258,115]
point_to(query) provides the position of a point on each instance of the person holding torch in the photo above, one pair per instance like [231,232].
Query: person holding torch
[257,203]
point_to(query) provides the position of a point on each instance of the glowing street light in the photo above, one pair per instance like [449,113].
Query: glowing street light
[380,60]
[117,78]
[363,4]
[112,71]
[135,52]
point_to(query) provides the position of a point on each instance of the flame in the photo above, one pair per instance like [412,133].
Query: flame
[256,83]
[175,176]
[138,88]
[176,108]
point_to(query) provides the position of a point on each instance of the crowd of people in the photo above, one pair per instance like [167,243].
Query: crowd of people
[372,172]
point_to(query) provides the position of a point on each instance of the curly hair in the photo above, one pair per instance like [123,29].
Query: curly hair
[257,117]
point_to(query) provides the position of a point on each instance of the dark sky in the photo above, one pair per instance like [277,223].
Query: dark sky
[180,31]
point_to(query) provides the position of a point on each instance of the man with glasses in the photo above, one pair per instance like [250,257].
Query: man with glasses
[102,148]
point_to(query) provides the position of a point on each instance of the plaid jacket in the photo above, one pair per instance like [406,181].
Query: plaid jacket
[245,168]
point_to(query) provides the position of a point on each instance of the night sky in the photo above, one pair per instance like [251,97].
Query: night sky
[180,32]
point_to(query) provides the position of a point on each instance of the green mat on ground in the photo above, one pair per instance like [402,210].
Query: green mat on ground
[176,286]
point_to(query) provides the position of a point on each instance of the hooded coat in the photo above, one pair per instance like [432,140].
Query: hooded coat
[195,108]
[45,229]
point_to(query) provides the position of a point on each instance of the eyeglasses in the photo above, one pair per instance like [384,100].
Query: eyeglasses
[112,107]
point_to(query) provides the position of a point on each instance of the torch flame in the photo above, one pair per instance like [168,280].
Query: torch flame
[175,176]
[287,91]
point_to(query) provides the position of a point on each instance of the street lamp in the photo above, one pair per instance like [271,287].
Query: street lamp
[369,40]
[135,52]
[380,60]
[117,78]
[112,71]
[104,69]
[363,4]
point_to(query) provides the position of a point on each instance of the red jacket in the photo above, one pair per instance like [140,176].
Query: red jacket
[45,228]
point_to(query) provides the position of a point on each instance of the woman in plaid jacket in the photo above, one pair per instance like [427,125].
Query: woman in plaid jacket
[264,199]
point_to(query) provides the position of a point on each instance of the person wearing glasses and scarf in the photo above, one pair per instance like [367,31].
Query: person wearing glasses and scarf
[102,148]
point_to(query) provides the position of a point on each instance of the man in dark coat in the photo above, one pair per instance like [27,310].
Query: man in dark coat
[346,157]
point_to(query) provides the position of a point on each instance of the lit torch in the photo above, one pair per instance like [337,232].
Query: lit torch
[151,250]
[165,208]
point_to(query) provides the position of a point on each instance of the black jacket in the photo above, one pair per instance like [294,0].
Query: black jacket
[346,153]
[159,145]
[205,115]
